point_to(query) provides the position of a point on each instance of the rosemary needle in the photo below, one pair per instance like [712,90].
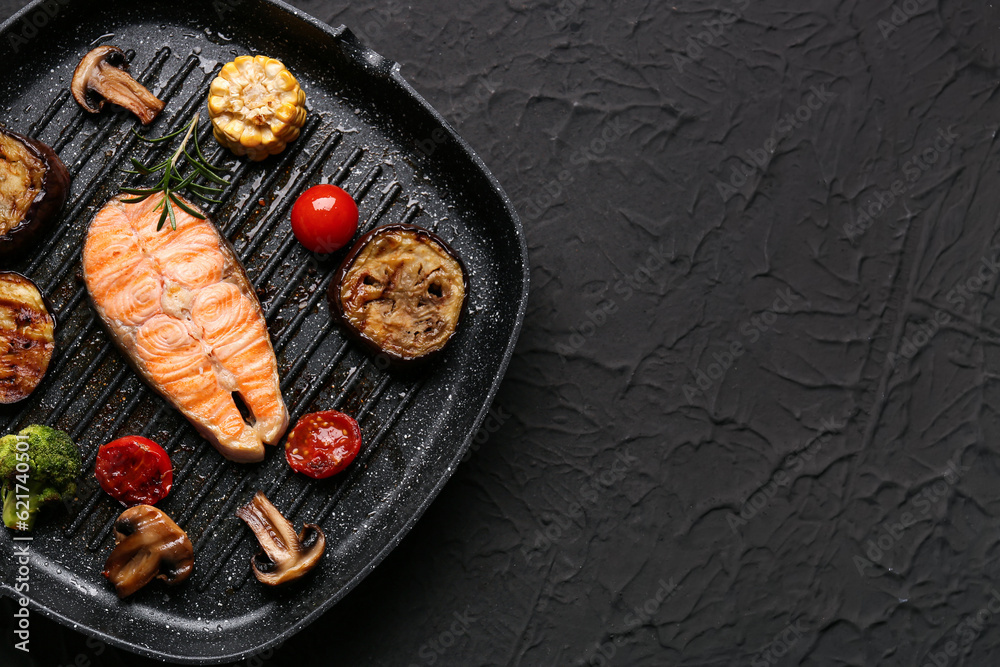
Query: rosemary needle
[174,181]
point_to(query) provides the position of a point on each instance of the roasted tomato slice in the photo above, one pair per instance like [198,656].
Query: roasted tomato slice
[323,443]
[134,470]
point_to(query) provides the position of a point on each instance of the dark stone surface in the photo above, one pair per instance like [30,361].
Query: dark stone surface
[746,423]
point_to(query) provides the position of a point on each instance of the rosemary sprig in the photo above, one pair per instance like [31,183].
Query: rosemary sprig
[173,180]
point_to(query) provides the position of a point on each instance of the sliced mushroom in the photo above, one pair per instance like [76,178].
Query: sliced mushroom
[102,76]
[284,556]
[400,291]
[148,545]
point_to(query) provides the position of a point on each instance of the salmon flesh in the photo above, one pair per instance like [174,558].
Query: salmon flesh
[180,306]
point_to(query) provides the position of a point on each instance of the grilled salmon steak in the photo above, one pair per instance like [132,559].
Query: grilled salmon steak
[180,306]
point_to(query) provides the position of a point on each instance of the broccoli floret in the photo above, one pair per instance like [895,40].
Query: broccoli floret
[53,466]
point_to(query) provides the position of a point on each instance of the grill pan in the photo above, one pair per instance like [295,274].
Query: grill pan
[367,131]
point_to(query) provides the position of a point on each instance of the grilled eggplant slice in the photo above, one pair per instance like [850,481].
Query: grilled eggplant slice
[34,185]
[400,291]
[27,337]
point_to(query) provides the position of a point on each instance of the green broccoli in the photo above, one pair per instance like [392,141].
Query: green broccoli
[49,466]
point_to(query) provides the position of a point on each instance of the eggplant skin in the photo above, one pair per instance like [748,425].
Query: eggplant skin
[27,337]
[17,235]
[396,358]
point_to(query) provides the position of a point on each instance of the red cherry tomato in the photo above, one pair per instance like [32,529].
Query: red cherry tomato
[324,218]
[134,470]
[323,443]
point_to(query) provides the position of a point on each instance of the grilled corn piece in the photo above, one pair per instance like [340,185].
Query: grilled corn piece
[257,107]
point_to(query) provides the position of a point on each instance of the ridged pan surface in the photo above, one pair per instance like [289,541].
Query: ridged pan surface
[367,131]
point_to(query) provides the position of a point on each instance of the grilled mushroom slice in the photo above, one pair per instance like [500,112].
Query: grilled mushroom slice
[34,185]
[400,291]
[27,337]
[148,545]
[102,76]
[284,556]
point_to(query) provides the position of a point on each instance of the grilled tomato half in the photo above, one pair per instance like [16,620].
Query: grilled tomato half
[400,291]
[323,444]
[34,185]
[27,337]
[134,470]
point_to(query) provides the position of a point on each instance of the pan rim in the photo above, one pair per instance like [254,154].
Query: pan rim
[391,70]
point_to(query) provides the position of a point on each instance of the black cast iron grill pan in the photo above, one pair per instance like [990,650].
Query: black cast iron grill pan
[363,132]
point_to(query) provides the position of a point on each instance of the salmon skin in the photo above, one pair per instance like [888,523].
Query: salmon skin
[179,304]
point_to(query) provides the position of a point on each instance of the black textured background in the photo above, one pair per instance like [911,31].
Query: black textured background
[746,423]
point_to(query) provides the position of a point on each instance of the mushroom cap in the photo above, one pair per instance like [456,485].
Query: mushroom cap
[148,545]
[89,67]
[284,556]
[102,76]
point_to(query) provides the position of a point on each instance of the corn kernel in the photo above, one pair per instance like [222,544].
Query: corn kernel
[250,137]
[234,129]
[216,104]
